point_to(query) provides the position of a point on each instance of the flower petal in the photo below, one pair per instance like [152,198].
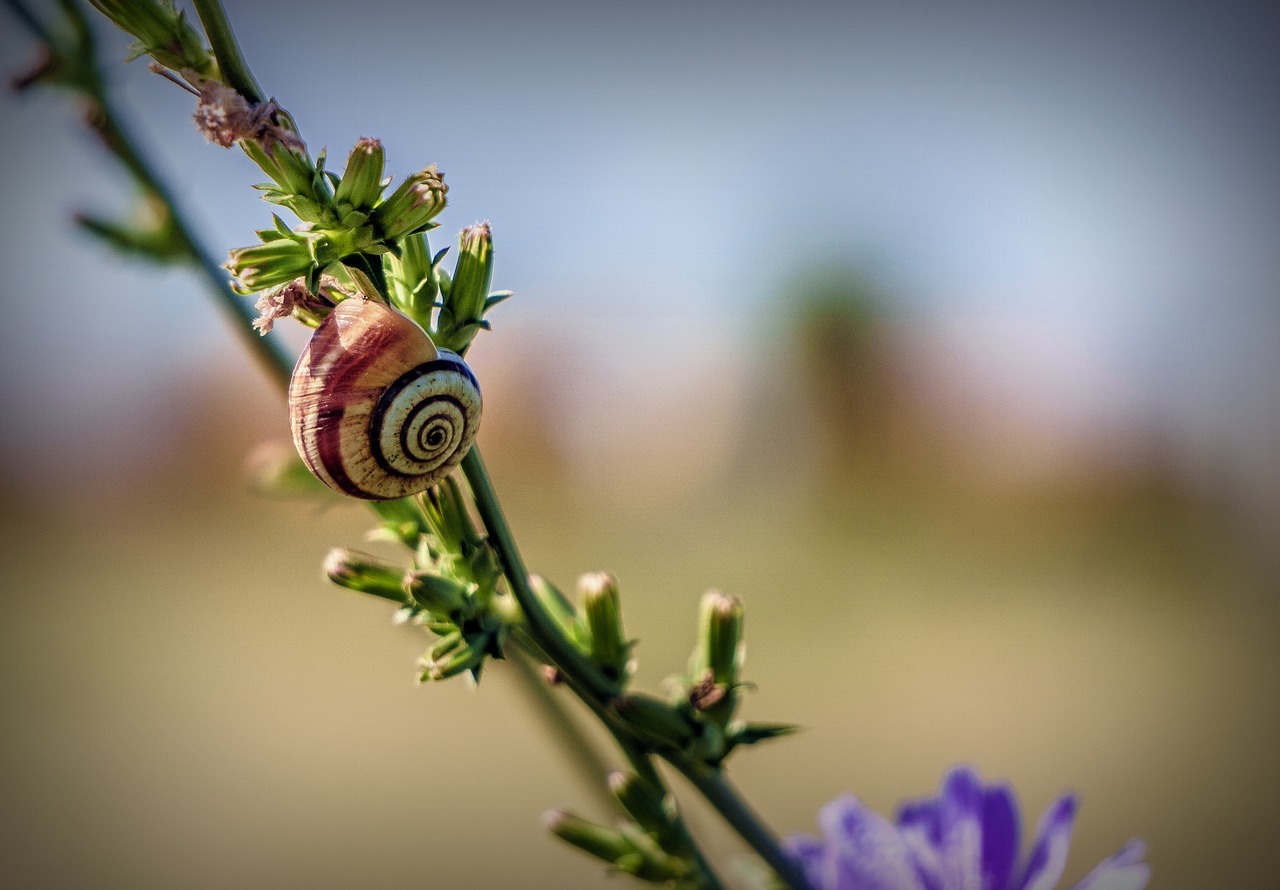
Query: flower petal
[810,853]
[1123,871]
[1001,836]
[961,816]
[920,825]
[869,853]
[1049,855]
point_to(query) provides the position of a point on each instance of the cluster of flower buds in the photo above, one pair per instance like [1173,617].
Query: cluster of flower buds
[594,627]
[163,33]
[343,219]
[451,587]
[698,718]
[649,843]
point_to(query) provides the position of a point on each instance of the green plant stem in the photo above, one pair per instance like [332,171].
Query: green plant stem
[642,763]
[226,49]
[640,760]
[712,783]
[267,350]
[29,21]
[597,693]
[561,653]
[590,764]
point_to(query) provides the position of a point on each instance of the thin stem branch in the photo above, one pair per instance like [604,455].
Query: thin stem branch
[268,351]
[28,19]
[708,780]
[226,49]
[589,762]
[712,783]
[640,760]
[541,626]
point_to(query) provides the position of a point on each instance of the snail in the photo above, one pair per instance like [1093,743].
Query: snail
[377,411]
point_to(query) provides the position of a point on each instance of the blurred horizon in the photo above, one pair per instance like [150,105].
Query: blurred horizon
[948,338]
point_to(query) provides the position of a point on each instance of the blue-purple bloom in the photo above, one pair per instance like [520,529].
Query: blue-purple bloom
[966,838]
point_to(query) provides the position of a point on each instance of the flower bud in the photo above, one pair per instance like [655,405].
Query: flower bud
[270,264]
[435,593]
[472,274]
[717,657]
[644,803]
[365,574]
[412,206]
[410,279]
[361,183]
[298,186]
[162,32]
[598,592]
[719,647]
[600,841]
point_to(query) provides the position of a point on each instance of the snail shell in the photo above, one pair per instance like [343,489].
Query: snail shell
[377,411]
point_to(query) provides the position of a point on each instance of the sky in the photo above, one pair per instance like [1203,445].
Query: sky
[1080,199]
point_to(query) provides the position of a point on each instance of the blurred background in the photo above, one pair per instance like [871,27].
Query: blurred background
[947,337]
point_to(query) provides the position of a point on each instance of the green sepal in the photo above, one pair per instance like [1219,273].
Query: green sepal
[753,733]
[655,721]
[437,594]
[402,519]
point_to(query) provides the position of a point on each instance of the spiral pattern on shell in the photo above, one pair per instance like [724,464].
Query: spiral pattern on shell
[377,411]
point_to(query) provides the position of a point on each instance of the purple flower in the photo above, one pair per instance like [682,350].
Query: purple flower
[966,838]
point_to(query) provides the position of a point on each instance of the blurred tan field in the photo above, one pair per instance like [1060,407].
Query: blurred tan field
[187,703]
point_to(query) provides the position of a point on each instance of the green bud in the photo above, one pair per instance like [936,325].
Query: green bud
[607,647]
[298,185]
[162,32]
[648,861]
[654,720]
[365,574]
[647,805]
[412,206]
[270,264]
[361,183]
[714,667]
[411,279]
[469,291]
[719,648]
[600,841]
[435,593]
